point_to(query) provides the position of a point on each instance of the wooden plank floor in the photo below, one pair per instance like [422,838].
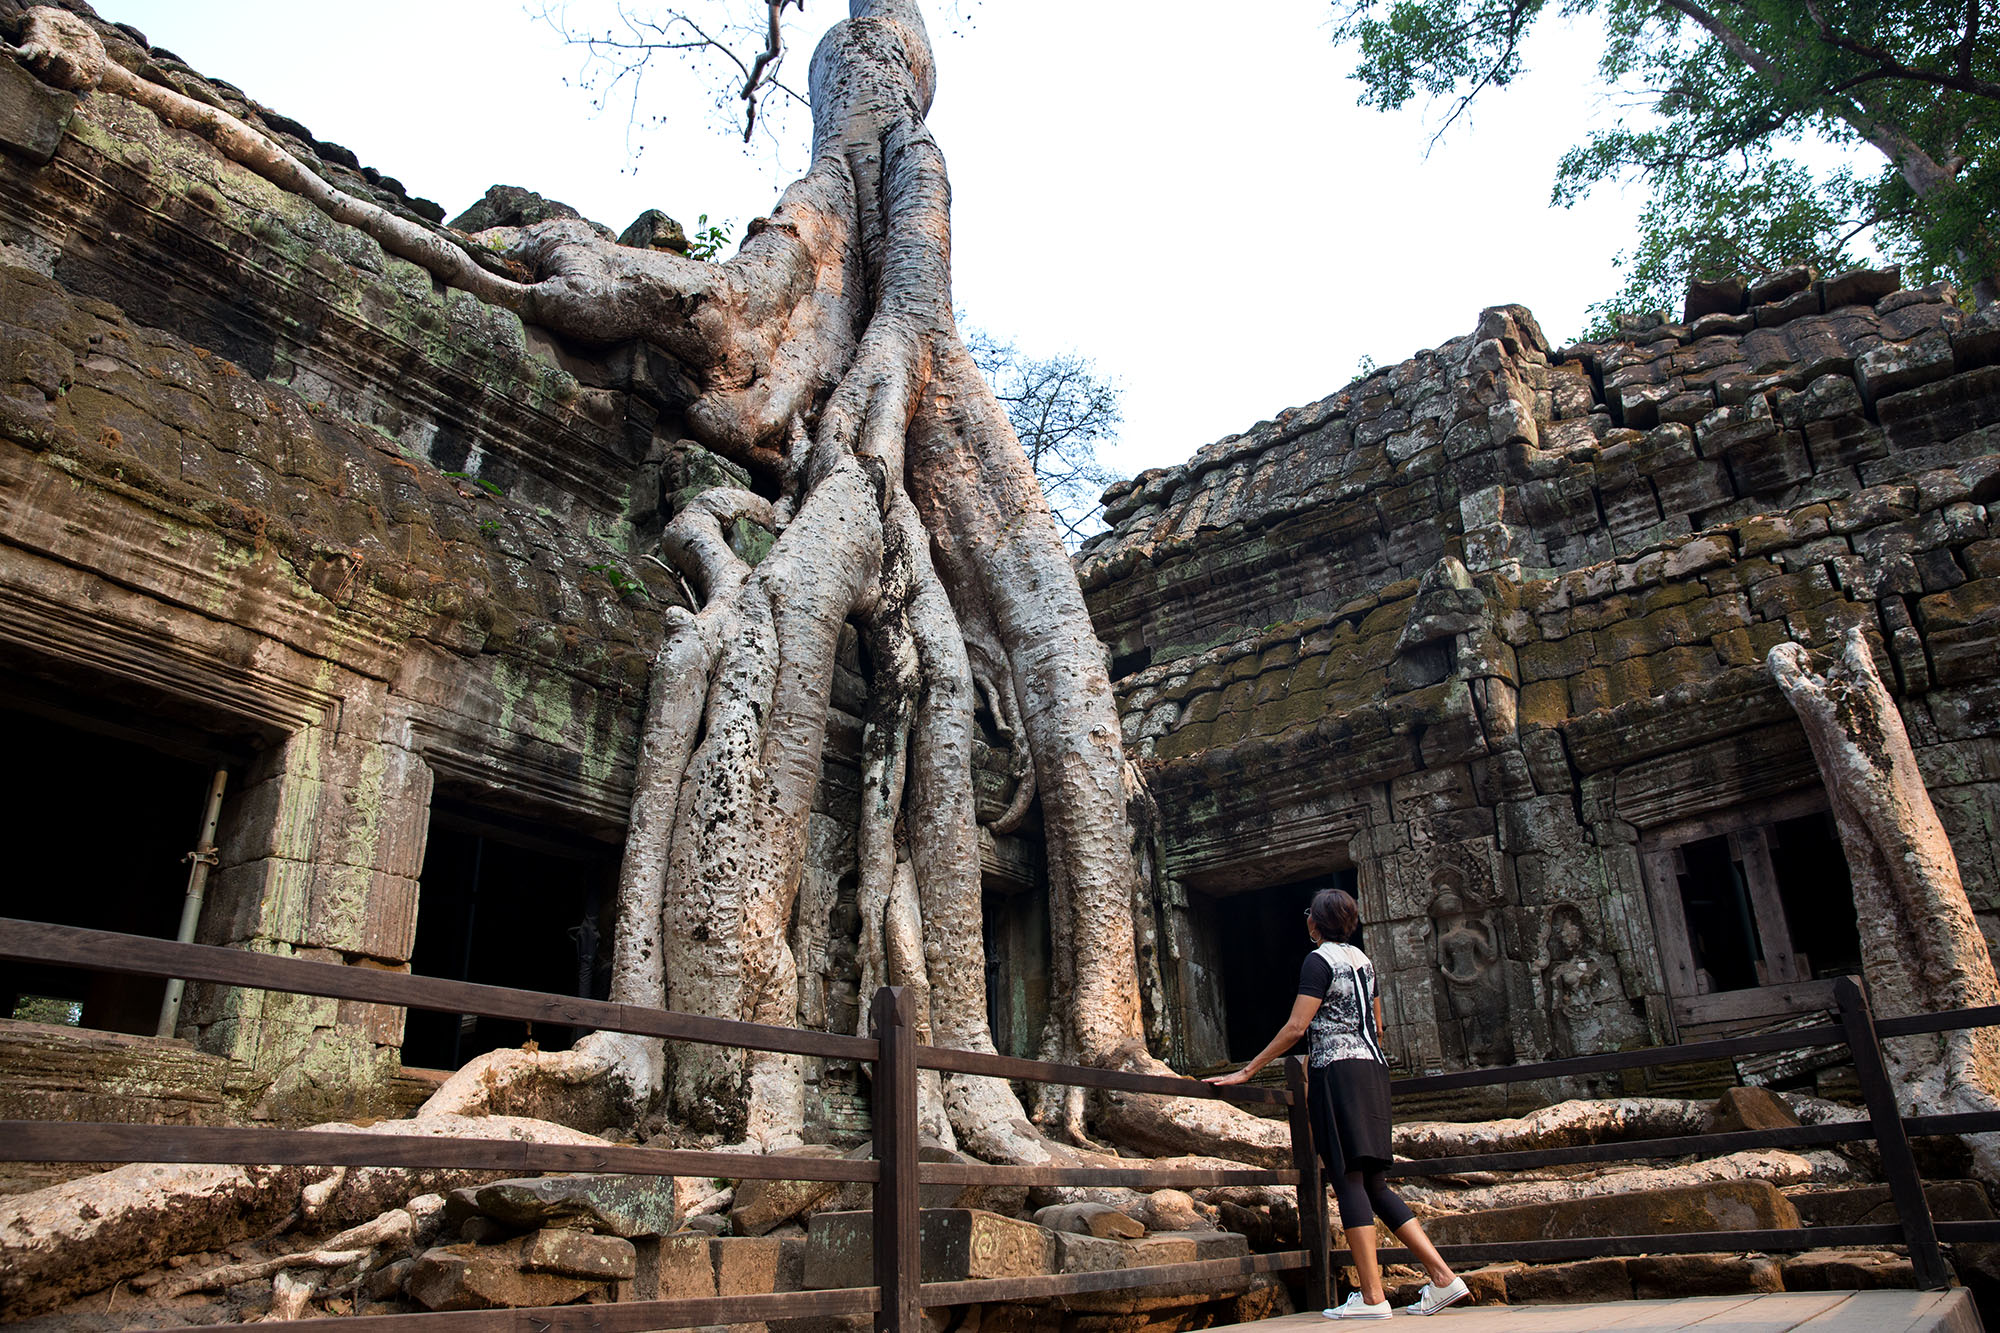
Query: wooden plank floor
[1780,1312]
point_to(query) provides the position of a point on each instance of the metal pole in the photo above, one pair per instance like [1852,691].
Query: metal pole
[200,860]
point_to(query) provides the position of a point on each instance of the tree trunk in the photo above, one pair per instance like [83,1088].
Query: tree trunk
[1921,949]
[829,364]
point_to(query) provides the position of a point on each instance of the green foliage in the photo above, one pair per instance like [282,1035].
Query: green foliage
[490,487]
[48,1009]
[1722,94]
[621,583]
[709,239]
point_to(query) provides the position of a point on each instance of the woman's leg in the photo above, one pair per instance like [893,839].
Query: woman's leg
[1357,1221]
[1367,1271]
[1389,1206]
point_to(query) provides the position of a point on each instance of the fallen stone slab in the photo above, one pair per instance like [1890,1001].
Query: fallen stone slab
[1865,1205]
[954,1245]
[1722,1205]
[760,1205]
[1671,1276]
[583,1254]
[487,1277]
[1848,1270]
[1742,1108]
[1089,1219]
[624,1206]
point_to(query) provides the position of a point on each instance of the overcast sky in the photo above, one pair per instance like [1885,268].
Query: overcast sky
[1196,203]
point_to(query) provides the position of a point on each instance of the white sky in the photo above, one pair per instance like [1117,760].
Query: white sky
[1193,201]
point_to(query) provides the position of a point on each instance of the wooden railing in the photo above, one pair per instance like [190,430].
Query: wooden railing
[1852,1026]
[899,1294]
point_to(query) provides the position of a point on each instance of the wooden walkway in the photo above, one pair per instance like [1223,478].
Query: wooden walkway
[1782,1312]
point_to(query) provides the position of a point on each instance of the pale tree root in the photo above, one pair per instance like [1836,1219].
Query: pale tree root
[392,1232]
[1921,948]
[84,1234]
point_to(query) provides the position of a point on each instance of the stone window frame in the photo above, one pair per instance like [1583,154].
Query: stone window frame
[1786,983]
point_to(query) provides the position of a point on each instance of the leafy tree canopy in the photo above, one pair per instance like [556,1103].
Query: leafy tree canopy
[1721,94]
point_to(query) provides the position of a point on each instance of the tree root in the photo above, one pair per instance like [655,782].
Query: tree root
[393,1230]
[84,1234]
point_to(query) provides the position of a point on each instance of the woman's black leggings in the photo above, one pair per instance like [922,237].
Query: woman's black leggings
[1365,1196]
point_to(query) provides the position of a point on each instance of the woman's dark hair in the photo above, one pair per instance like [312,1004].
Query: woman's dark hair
[1335,915]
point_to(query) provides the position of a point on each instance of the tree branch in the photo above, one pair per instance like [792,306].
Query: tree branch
[1888,66]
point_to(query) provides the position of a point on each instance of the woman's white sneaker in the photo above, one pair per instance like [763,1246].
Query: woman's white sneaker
[1432,1299]
[1356,1308]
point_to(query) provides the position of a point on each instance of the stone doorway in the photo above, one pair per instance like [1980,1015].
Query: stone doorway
[507,901]
[99,814]
[1255,941]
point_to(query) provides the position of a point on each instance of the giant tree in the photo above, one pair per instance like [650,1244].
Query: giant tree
[831,368]
[1719,91]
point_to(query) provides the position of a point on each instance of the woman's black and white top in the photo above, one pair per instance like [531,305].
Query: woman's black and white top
[1343,980]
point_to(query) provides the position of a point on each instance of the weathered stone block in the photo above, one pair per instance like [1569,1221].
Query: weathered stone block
[1861,286]
[1727,1205]
[1894,367]
[1591,1281]
[760,1205]
[627,1206]
[673,1267]
[33,116]
[1089,1219]
[749,1265]
[1749,1108]
[1948,410]
[585,1254]
[1848,1270]
[486,1277]
[1673,1276]
[955,1245]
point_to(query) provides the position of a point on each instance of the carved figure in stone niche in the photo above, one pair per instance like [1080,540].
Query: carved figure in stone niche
[1468,957]
[1572,980]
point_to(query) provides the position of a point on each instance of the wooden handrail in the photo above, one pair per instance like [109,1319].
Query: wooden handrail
[896,1173]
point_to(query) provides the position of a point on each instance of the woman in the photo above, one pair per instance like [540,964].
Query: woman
[1348,1101]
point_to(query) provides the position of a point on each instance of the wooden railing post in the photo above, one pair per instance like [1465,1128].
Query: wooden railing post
[1315,1238]
[897,1220]
[1906,1187]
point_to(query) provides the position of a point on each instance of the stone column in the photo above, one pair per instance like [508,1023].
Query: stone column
[324,846]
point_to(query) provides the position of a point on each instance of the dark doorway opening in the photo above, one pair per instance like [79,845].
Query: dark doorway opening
[1015,923]
[507,901]
[98,828]
[1263,940]
[1721,921]
[1768,903]
[1817,894]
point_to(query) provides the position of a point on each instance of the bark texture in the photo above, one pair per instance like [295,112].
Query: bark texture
[1920,946]
[828,363]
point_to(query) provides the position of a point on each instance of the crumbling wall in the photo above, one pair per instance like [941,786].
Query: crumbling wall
[1485,623]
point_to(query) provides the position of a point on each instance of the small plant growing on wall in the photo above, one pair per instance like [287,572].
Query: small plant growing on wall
[621,582]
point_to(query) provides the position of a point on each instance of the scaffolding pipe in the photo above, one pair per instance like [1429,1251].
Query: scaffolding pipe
[199,861]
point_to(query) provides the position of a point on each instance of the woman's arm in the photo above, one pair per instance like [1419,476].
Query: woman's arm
[1288,1036]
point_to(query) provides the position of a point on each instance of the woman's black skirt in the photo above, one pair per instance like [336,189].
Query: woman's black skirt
[1348,1103]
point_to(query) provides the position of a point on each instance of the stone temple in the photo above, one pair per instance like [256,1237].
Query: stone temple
[1481,636]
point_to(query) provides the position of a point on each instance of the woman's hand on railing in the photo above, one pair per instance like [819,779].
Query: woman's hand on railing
[1236,1079]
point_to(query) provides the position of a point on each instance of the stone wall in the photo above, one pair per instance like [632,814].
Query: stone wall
[271,495]
[1488,628]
